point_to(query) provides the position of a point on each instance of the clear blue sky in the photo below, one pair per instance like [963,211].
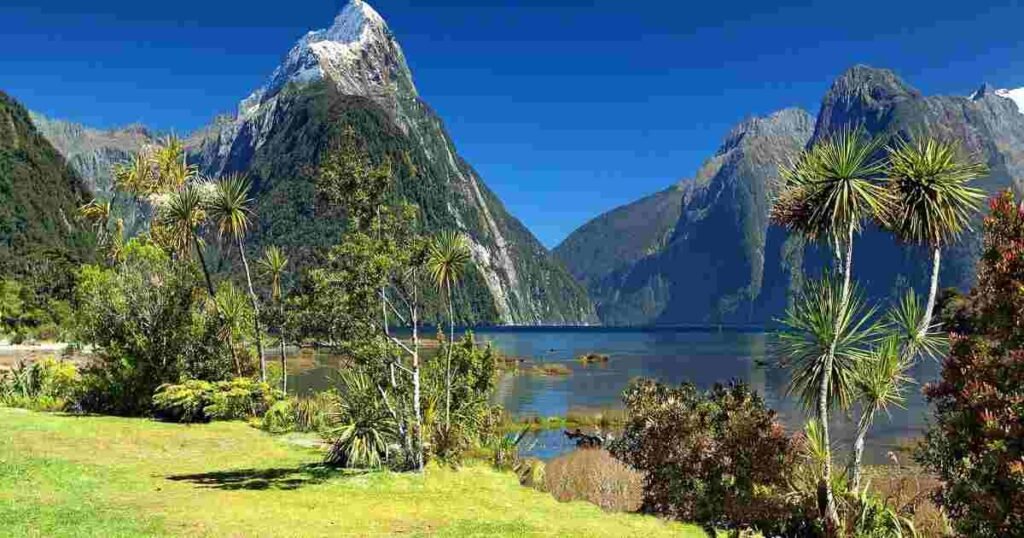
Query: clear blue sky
[567,108]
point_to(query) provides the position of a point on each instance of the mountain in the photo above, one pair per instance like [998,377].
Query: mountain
[93,153]
[354,75]
[39,197]
[724,262]
[702,257]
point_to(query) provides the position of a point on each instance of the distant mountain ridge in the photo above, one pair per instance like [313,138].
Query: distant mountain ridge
[726,264]
[39,197]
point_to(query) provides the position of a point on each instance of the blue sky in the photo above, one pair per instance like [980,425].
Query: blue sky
[566,108]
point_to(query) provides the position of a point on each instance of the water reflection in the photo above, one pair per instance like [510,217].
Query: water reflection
[700,357]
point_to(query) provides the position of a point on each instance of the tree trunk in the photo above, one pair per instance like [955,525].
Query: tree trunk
[831,516]
[448,367]
[933,291]
[849,264]
[418,456]
[284,365]
[858,446]
[255,310]
[213,297]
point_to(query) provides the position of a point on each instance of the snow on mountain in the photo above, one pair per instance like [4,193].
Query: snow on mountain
[1015,95]
[358,53]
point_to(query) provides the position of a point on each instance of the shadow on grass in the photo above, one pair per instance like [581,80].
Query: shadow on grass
[280,478]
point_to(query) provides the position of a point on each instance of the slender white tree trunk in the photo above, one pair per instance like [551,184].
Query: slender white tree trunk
[933,291]
[448,366]
[418,457]
[831,516]
[284,365]
[255,310]
[858,446]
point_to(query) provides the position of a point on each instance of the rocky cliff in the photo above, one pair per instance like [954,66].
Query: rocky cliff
[724,263]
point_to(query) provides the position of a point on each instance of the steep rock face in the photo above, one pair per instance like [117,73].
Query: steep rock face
[987,124]
[709,266]
[725,263]
[93,153]
[354,74]
[39,195]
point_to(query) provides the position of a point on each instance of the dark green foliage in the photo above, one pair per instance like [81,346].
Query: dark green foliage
[203,401]
[41,242]
[473,377]
[976,445]
[150,323]
[39,196]
[718,458]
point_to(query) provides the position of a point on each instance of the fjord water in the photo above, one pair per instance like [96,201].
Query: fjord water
[702,356]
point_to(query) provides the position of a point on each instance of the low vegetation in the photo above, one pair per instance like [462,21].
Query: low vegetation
[65,476]
[595,476]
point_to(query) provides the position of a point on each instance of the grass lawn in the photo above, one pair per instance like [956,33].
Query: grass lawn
[109,477]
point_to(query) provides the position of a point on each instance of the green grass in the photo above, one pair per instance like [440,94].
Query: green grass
[110,477]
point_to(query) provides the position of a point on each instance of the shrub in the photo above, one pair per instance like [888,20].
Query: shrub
[364,434]
[718,458]
[45,385]
[203,401]
[280,418]
[594,475]
[976,446]
[150,323]
[471,418]
[312,414]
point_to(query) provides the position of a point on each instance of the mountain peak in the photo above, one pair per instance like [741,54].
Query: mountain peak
[358,53]
[872,83]
[352,22]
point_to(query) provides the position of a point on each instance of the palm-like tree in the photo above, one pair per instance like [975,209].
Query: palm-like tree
[231,208]
[183,215]
[831,189]
[929,180]
[879,382]
[273,265]
[447,259]
[137,176]
[828,331]
[172,166]
[232,310]
[97,214]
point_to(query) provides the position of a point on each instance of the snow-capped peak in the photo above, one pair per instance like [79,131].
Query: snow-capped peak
[1015,95]
[357,52]
[350,25]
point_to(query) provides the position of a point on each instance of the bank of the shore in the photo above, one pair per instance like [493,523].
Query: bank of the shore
[103,476]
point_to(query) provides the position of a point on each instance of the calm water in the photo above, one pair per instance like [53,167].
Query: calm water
[702,357]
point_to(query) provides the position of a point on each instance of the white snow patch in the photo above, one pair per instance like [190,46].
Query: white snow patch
[1015,95]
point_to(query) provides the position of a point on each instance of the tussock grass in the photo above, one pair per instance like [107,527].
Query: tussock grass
[594,475]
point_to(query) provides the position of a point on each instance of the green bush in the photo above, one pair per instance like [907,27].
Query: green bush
[364,434]
[47,385]
[203,401]
[307,414]
[280,418]
[151,323]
